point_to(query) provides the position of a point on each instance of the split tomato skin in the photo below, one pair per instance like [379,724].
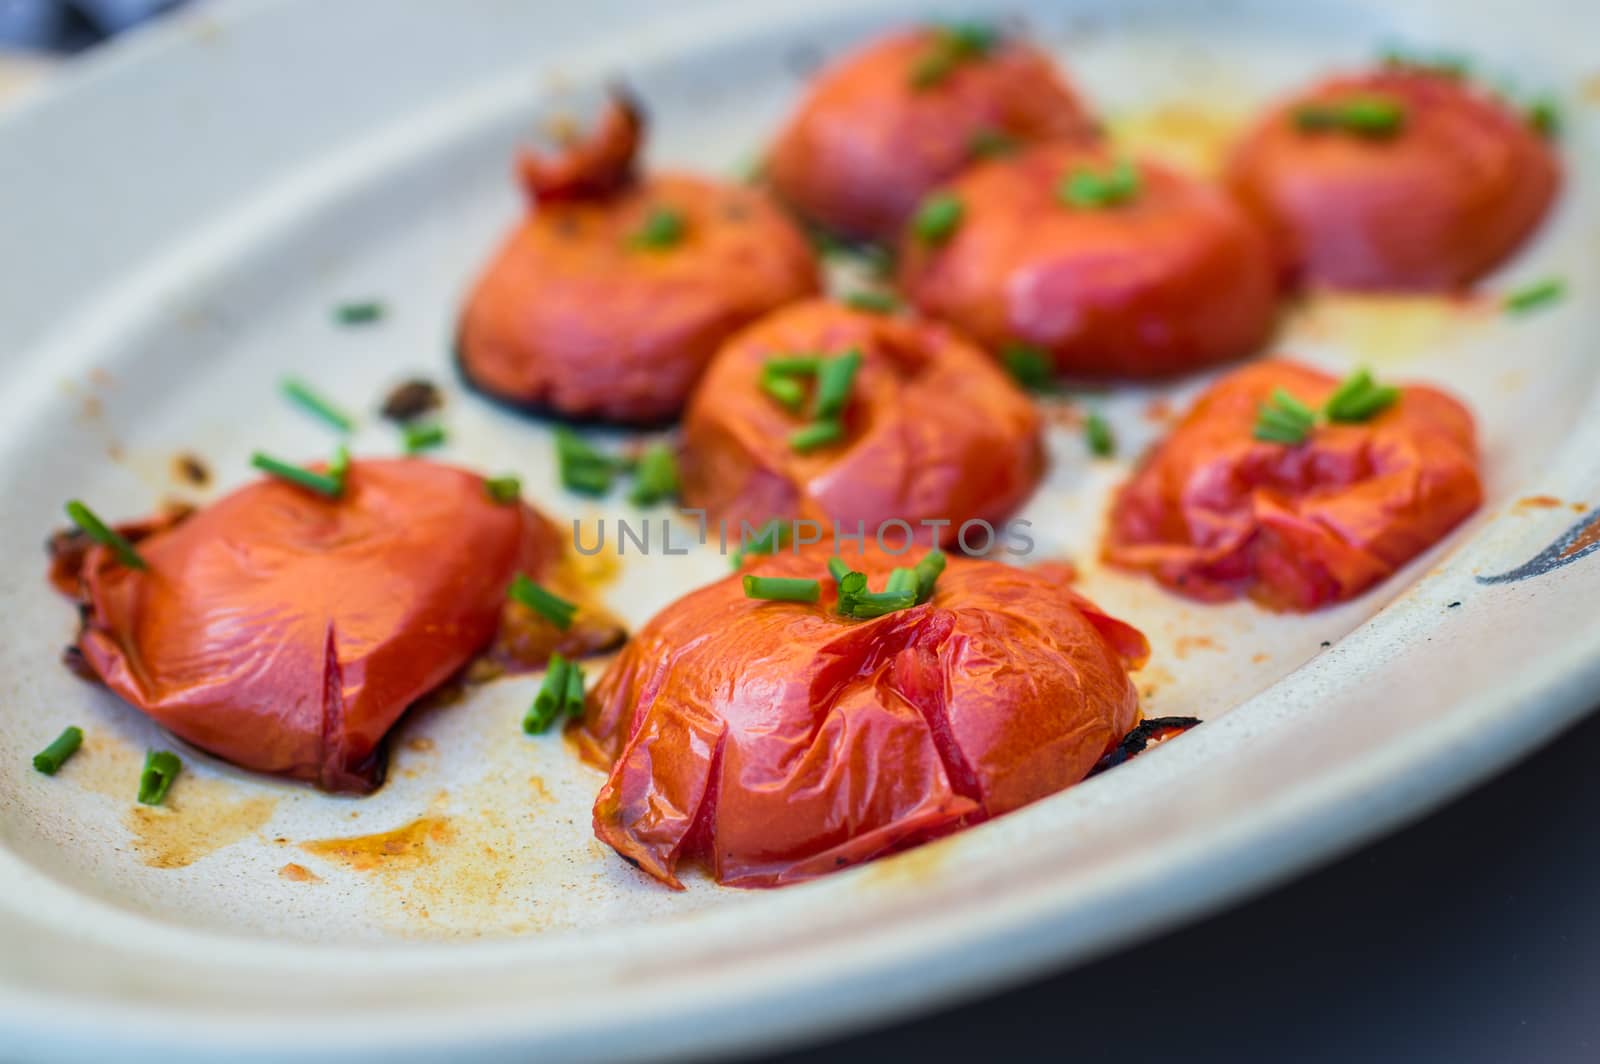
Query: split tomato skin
[776,742]
[1216,514]
[286,632]
[1453,192]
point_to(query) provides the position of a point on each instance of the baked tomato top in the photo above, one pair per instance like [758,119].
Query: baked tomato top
[778,741]
[883,126]
[1109,267]
[286,632]
[1399,179]
[1214,513]
[609,298]
[932,429]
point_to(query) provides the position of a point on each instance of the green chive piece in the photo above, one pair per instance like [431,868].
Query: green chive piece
[558,611]
[1031,367]
[1089,190]
[771,539]
[781,588]
[872,302]
[785,391]
[815,435]
[1446,64]
[51,758]
[928,570]
[1284,419]
[321,483]
[1372,116]
[583,469]
[901,579]
[361,313]
[161,767]
[339,467]
[551,699]
[663,227]
[419,438]
[868,604]
[574,699]
[1535,295]
[793,365]
[657,476]
[970,39]
[1359,398]
[1544,115]
[838,568]
[834,381]
[301,394]
[1097,431]
[938,218]
[992,144]
[931,68]
[503,490]
[105,535]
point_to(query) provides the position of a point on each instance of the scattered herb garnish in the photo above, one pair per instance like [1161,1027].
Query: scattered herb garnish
[938,218]
[656,478]
[361,313]
[1097,433]
[781,588]
[419,438]
[51,758]
[1284,419]
[161,767]
[992,144]
[558,611]
[1031,367]
[1536,295]
[503,490]
[928,570]
[105,535]
[559,696]
[583,469]
[904,588]
[1358,398]
[774,534]
[300,393]
[1446,64]
[835,378]
[1372,116]
[663,228]
[1091,190]
[872,301]
[901,579]
[1544,115]
[330,483]
[778,379]
[952,45]
[815,435]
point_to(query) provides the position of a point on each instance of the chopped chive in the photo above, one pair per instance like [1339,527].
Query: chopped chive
[1088,189]
[161,767]
[300,393]
[1284,419]
[834,381]
[928,570]
[970,39]
[1535,295]
[872,302]
[793,365]
[321,483]
[51,758]
[1097,432]
[838,568]
[901,579]
[558,611]
[774,534]
[1372,116]
[991,144]
[419,438]
[781,588]
[1315,117]
[1544,115]
[360,313]
[931,68]
[105,535]
[1285,401]
[583,469]
[1030,366]
[503,490]
[663,228]
[574,699]
[815,435]
[1359,398]
[868,604]
[656,478]
[339,467]
[938,218]
[551,700]
[785,391]
[1445,64]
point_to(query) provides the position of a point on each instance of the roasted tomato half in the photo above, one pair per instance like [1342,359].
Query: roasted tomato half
[1215,513]
[931,428]
[1109,268]
[1401,179]
[287,632]
[777,741]
[883,126]
[609,298]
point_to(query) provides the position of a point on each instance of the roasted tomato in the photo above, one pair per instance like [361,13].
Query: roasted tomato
[1403,179]
[1215,513]
[1109,268]
[885,125]
[778,741]
[932,429]
[612,294]
[287,632]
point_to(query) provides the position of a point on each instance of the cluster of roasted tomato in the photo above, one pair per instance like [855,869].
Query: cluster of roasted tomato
[777,736]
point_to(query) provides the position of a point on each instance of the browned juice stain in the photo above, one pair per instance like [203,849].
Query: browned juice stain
[1152,680]
[1259,658]
[913,867]
[421,744]
[1587,538]
[540,791]
[409,846]
[1539,502]
[1186,644]
[1579,507]
[297,873]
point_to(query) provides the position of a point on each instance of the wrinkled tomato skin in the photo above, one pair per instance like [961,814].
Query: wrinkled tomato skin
[933,430]
[1446,199]
[776,742]
[866,145]
[1175,279]
[1214,513]
[287,632]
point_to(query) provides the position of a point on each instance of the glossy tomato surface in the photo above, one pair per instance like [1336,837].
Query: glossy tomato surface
[1171,278]
[1214,513]
[776,741]
[1452,192]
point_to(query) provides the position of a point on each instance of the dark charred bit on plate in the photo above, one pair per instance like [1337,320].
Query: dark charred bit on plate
[189,468]
[1326,644]
[1453,605]
[77,664]
[411,400]
[1152,732]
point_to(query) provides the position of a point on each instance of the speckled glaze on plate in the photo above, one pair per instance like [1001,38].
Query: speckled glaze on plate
[179,215]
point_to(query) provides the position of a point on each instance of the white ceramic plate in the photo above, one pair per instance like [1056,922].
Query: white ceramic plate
[177,218]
